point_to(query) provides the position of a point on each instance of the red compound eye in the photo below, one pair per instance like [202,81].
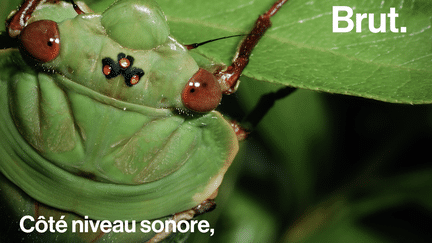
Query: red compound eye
[202,93]
[41,40]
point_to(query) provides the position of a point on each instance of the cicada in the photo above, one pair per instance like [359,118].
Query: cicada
[107,116]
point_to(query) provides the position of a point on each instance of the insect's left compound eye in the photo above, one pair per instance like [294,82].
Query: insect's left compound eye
[202,93]
[41,40]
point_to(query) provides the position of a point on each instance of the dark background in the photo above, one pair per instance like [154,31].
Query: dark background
[328,168]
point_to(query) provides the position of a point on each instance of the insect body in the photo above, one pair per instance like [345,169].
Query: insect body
[117,115]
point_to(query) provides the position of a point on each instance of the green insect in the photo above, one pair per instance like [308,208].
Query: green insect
[107,116]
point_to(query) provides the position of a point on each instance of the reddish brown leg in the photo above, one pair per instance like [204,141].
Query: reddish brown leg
[204,207]
[230,76]
[240,131]
[18,21]
[36,209]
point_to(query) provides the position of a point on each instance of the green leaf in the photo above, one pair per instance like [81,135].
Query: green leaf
[294,126]
[350,214]
[301,50]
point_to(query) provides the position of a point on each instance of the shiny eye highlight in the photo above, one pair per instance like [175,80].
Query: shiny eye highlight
[41,40]
[202,93]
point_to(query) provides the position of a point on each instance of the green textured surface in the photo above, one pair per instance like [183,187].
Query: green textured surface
[323,167]
[300,49]
[120,152]
[134,26]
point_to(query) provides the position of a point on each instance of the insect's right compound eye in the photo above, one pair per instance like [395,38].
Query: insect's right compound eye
[41,40]
[202,93]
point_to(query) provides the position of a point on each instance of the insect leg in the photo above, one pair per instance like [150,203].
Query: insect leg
[251,120]
[239,130]
[18,21]
[204,207]
[230,76]
[263,106]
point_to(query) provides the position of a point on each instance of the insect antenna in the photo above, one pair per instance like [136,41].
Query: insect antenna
[195,45]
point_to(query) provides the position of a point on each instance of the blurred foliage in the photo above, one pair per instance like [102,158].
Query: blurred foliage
[322,167]
[332,168]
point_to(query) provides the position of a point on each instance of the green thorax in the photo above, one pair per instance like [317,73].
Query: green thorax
[119,152]
[87,39]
